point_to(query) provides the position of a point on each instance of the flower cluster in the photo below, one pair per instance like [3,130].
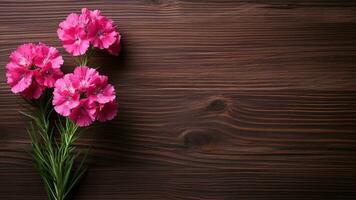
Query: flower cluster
[85,96]
[78,32]
[32,68]
[82,97]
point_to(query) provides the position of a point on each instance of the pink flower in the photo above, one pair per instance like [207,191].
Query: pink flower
[65,95]
[18,77]
[84,114]
[73,35]
[102,92]
[78,32]
[23,55]
[32,68]
[85,96]
[49,62]
[47,55]
[101,32]
[85,77]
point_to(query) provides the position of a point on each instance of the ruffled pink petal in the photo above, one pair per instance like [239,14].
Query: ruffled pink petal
[115,48]
[85,77]
[102,92]
[83,115]
[75,41]
[108,39]
[72,33]
[72,20]
[77,49]
[47,55]
[107,111]
[34,91]
[106,94]
[47,76]
[19,78]
[23,55]
[85,17]
[101,33]
[96,14]
[65,96]
[64,103]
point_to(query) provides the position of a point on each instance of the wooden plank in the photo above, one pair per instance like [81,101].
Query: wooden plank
[218,100]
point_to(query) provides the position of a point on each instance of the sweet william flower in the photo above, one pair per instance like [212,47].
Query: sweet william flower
[46,56]
[49,62]
[84,78]
[32,68]
[18,77]
[101,32]
[18,70]
[23,55]
[73,34]
[85,96]
[102,92]
[65,96]
[90,28]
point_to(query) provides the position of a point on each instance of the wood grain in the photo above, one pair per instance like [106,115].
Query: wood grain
[218,100]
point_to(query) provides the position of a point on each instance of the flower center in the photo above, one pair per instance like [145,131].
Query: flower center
[100,33]
[33,67]
[83,95]
[68,98]
[77,39]
[97,91]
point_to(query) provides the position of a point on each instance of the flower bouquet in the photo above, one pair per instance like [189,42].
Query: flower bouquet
[61,104]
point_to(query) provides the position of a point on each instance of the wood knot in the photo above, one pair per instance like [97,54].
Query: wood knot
[198,138]
[216,105]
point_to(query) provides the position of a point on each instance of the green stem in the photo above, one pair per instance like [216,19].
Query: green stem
[84,59]
[65,158]
[54,160]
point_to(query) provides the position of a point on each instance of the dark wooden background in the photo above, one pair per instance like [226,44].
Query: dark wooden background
[236,99]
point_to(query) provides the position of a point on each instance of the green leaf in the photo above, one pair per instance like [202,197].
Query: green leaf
[54,160]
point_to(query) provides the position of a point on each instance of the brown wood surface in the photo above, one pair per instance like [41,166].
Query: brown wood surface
[218,100]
